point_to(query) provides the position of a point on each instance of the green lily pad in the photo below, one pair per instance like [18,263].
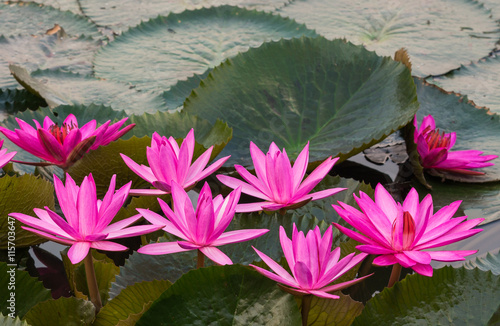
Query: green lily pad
[340,312]
[63,5]
[131,303]
[439,36]
[336,95]
[63,311]
[8,321]
[178,93]
[46,52]
[226,294]
[488,262]
[66,88]
[450,297]
[120,15]
[480,81]
[20,194]
[27,290]
[41,19]
[157,53]
[15,100]
[476,128]
[178,124]
[83,114]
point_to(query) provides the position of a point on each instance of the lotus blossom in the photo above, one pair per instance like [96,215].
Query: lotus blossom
[277,182]
[202,229]
[314,267]
[86,221]
[4,156]
[168,163]
[434,150]
[63,145]
[400,233]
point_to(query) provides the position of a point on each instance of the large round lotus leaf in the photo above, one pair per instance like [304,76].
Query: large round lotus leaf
[45,52]
[66,88]
[439,35]
[157,53]
[450,297]
[340,312]
[225,295]
[132,302]
[480,81]
[20,194]
[476,128]
[63,311]
[83,115]
[122,14]
[63,5]
[15,100]
[28,291]
[487,262]
[340,97]
[178,93]
[14,20]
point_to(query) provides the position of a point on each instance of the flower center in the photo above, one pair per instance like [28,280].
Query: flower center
[436,140]
[60,133]
[408,232]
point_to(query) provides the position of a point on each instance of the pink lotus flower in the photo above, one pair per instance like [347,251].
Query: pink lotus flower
[312,264]
[434,150]
[169,163]
[401,233]
[86,222]
[279,184]
[201,229]
[63,145]
[4,156]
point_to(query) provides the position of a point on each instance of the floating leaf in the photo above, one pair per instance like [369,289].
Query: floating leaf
[480,81]
[62,311]
[41,18]
[20,194]
[230,294]
[131,303]
[476,128]
[328,312]
[487,262]
[63,5]
[157,53]
[15,100]
[122,14]
[178,93]
[336,95]
[439,36]
[450,297]
[66,88]
[23,290]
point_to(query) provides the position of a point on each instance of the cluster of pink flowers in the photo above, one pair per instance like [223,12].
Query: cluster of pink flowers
[398,233]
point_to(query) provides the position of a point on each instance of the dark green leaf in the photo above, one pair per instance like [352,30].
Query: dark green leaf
[176,95]
[226,295]
[63,311]
[20,194]
[434,35]
[15,100]
[338,96]
[22,290]
[156,54]
[328,312]
[131,303]
[450,297]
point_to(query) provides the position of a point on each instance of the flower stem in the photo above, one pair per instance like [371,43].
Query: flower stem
[95,297]
[396,272]
[306,306]
[201,259]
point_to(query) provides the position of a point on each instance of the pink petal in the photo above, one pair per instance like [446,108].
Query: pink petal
[285,277]
[259,162]
[142,171]
[300,166]
[87,206]
[52,146]
[156,219]
[375,250]
[385,260]
[404,260]
[108,246]
[322,294]
[238,236]
[162,248]
[78,251]
[315,177]
[454,255]
[49,236]
[303,275]
[420,257]
[147,192]
[425,270]
[343,285]
[133,231]
[386,203]
[216,255]
[252,207]
[275,277]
